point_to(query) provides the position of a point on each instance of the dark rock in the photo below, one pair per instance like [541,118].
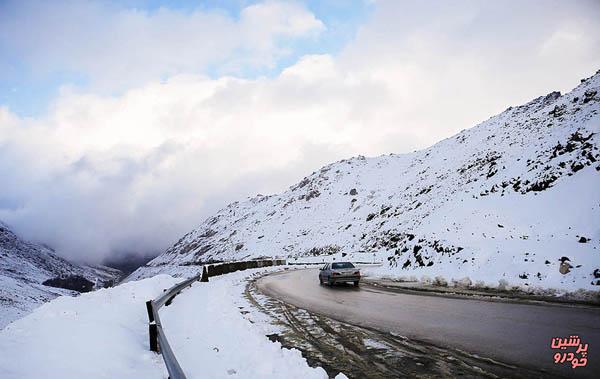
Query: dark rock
[576,166]
[272,337]
[551,96]
[311,194]
[589,95]
[72,282]
[558,110]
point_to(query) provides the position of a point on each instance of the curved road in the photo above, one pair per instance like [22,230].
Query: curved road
[513,333]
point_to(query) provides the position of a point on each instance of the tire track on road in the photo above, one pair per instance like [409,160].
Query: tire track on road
[361,352]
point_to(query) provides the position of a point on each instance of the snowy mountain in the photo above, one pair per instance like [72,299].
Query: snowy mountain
[512,199]
[24,266]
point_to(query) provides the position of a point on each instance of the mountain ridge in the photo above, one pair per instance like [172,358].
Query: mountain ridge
[477,204]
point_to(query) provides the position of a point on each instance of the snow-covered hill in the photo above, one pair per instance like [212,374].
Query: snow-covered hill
[24,266]
[510,199]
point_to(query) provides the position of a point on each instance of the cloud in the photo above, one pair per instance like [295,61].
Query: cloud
[115,48]
[102,174]
[98,174]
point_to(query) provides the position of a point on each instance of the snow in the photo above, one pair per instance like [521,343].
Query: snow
[104,334]
[212,338]
[24,266]
[504,200]
[18,299]
[101,334]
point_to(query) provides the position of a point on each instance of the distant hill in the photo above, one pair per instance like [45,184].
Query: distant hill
[24,266]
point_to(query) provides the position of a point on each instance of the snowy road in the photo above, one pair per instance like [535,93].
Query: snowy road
[516,334]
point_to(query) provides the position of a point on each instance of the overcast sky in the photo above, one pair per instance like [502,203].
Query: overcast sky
[124,125]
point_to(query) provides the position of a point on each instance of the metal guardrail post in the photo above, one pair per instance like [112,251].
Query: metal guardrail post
[150,312]
[153,333]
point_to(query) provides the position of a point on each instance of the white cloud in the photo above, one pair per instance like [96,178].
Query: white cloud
[101,174]
[120,47]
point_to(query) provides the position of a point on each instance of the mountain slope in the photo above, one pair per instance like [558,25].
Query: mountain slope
[512,198]
[24,266]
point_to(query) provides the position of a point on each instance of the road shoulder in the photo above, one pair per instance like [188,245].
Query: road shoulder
[488,294]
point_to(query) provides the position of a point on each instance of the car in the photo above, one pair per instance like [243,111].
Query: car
[339,272]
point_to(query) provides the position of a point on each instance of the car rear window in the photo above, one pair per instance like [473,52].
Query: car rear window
[342,265]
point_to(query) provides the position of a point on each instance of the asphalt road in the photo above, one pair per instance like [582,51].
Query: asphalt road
[512,333]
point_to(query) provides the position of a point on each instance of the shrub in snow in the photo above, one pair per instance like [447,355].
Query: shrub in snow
[502,285]
[425,280]
[411,278]
[441,281]
[480,284]
[462,283]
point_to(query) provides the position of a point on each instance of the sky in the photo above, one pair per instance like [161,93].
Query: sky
[123,125]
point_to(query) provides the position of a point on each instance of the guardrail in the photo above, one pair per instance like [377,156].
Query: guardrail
[158,339]
[322,263]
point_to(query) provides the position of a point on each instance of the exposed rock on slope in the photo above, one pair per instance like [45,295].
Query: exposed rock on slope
[505,200]
[24,266]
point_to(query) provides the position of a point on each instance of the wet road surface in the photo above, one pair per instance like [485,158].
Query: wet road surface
[515,334]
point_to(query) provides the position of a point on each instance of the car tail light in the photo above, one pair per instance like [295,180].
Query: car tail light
[335,273]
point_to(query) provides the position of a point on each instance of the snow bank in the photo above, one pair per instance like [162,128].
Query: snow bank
[207,329]
[104,334]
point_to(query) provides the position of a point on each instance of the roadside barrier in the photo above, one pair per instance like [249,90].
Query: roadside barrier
[158,339]
[324,262]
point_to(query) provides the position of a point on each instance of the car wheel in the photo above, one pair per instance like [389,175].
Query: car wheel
[330,282]
[356,283]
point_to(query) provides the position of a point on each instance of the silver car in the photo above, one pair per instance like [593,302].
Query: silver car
[339,272]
